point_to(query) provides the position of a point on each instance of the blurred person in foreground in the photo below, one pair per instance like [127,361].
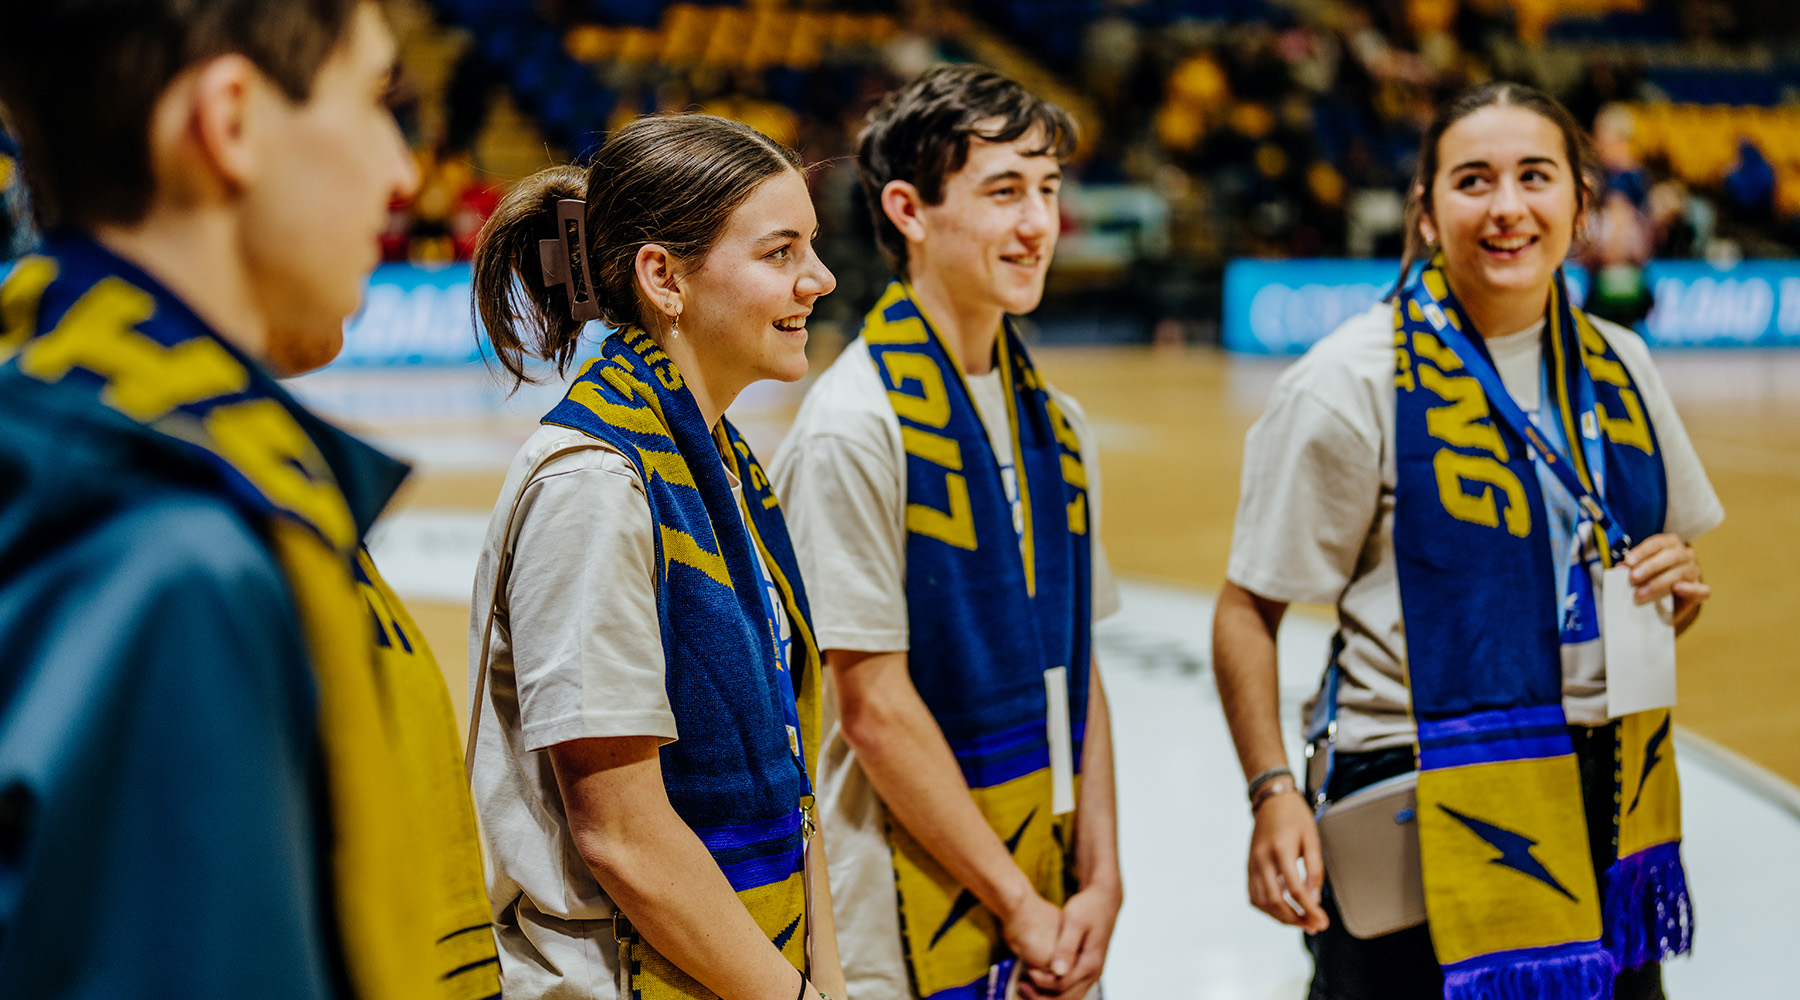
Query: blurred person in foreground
[17,235]
[227,762]
[1471,458]
[944,505]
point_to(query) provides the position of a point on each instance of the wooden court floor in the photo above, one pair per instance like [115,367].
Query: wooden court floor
[1171,423]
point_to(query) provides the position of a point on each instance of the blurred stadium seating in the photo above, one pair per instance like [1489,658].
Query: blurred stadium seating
[1214,130]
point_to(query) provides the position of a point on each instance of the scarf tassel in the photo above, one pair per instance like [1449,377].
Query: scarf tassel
[1579,972]
[1648,914]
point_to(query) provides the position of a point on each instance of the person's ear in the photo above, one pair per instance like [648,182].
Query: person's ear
[224,100]
[903,206]
[1427,228]
[659,281]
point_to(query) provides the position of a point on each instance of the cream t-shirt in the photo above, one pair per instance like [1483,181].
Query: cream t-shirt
[1315,513]
[576,653]
[841,476]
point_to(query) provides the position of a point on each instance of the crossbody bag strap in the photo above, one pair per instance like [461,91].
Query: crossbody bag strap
[501,571]
[1321,727]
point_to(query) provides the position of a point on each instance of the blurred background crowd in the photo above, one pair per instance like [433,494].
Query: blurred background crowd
[1212,129]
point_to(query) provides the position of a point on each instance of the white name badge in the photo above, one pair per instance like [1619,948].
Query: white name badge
[1062,749]
[1639,640]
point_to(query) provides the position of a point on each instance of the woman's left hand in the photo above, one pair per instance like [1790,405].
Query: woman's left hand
[1664,565]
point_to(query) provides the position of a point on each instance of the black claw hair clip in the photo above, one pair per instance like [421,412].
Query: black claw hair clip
[564,259]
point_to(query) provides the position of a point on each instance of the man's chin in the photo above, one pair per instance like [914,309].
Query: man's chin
[296,352]
[1020,303]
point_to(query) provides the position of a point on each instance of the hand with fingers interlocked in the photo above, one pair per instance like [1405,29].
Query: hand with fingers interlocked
[1082,939]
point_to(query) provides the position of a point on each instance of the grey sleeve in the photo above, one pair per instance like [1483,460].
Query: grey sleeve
[1694,507]
[1310,495]
[1105,587]
[843,501]
[581,601]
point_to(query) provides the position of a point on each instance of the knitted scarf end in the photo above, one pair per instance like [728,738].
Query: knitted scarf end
[1648,915]
[1570,972]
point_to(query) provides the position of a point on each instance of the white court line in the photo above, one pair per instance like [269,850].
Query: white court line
[1188,930]
[1741,770]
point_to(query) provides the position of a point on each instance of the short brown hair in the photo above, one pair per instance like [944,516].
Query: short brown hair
[80,78]
[672,180]
[1576,145]
[920,134]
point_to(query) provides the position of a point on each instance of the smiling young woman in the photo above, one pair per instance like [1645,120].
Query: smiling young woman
[1501,188]
[646,684]
[1457,470]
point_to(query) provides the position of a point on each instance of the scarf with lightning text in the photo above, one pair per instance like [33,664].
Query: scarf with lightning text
[998,597]
[746,703]
[1514,904]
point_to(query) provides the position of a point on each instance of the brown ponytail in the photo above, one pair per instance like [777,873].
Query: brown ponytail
[523,318]
[1576,144]
[671,180]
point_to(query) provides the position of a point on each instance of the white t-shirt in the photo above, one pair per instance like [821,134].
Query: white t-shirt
[576,654]
[1315,514]
[841,476]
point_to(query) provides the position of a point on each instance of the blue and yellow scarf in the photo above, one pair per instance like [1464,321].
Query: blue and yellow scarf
[412,912]
[995,614]
[746,702]
[1514,907]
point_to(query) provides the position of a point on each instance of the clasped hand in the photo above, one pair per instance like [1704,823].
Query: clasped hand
[1062,950]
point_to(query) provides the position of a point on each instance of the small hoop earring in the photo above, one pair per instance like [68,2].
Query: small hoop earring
[675,326]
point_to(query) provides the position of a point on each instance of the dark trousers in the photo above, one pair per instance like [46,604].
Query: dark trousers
[1401,965]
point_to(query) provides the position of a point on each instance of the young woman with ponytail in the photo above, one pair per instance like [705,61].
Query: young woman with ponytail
[645,710]
[1460,470]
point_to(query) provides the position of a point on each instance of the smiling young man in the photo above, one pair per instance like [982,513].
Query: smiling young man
[228,768]
[943,502]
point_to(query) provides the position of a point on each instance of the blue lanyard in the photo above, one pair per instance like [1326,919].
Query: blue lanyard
[765,585]
[1507,410]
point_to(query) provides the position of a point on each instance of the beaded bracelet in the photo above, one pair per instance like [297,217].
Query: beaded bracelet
[1274,787]
[1257,783]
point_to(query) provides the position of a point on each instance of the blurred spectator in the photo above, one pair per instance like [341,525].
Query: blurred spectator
[1625,174]
[1614,249]
[1750,184]
[1672,228]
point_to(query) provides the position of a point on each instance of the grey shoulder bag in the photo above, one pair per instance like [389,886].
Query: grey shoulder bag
[1370,838]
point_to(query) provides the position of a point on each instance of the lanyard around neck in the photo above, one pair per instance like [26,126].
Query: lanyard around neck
[1507,410]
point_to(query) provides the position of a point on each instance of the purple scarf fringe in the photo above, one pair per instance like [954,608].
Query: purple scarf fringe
[1571,974]
[1647,914]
